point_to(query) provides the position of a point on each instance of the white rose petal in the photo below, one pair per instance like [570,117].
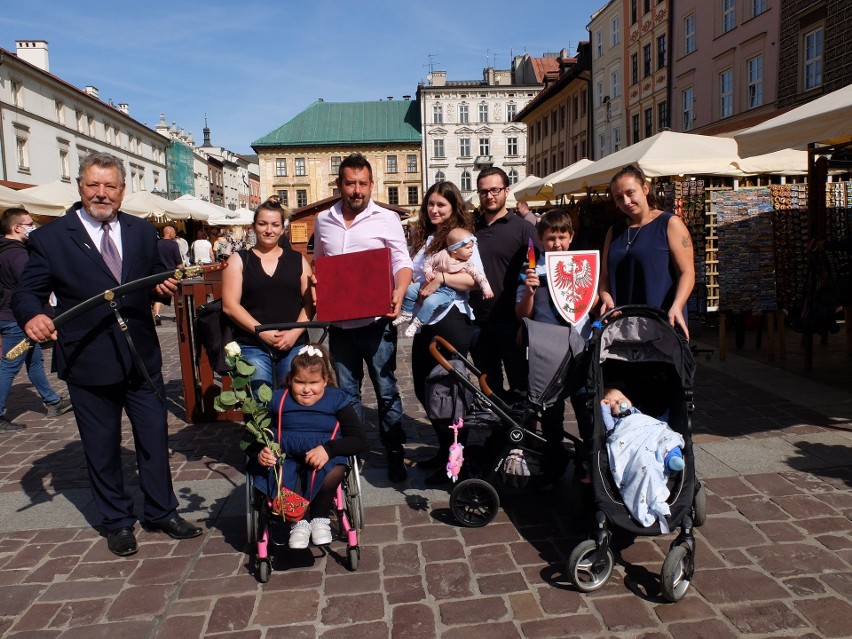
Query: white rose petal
[232,349]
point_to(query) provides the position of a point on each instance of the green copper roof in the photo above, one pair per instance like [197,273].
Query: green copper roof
[349,123]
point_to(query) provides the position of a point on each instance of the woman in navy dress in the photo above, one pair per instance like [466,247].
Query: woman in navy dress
[648,257]
[319,429]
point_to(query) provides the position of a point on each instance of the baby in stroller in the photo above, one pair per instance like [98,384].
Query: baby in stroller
[317,430]
[643,452]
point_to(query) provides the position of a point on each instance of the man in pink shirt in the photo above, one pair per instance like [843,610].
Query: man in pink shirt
[356,223]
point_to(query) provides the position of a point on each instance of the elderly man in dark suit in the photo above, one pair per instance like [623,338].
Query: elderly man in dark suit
[95,247]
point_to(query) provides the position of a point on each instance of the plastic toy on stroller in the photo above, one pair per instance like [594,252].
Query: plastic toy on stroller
[553,354]
[267,531]
[635,348]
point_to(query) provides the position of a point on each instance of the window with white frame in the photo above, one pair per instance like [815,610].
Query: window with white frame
[464,147]
[411,163]
[600,93]
[812,58]
[726,93]
[22,154]
[438,147]
[615,85]
[392,164]
[466,181]
[513,176]
[413,197]
[464,113]
[301,169]
[283,195]
[602,144]
[729,15]
[393,195]
[616,138]
[599,43]
[615,31]
[280,167]
[511,110]
[440,177]
[64,169]
[512,146]
[483,112]
[689,34]
[688,102]
[484,146]
[437,114]
[754,68]
[301,198]
[335,164]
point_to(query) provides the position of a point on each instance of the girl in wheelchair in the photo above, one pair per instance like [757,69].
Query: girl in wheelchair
[318,429]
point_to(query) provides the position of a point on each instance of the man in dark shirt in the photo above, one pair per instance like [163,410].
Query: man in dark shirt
[169,251]
[503,239]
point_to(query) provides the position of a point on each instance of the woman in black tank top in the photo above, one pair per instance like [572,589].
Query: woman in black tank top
[268,284]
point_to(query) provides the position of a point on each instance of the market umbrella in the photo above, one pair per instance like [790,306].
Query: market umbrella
[240,217]
[202,209]
[666,153]
[826,120]
[542,188]
[145,203]
[58,194]
[10,198]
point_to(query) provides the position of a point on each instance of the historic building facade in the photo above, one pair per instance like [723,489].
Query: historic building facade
[646,70]
[607,53]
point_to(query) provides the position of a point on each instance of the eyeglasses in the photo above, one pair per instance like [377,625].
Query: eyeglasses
[494,192]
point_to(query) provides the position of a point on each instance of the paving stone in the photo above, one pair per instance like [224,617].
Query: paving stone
[448,580]
[443,550]
[525,553]
[493,533]
[282,608]
[783,560]
[351,583]
[400,559]
[140,601]
[835,542]
[730,532]
[764,617]
[379,630]
[687,609]
[561,627]
[708,629]
[352,609]
[624,613]
[404,589]
[432,531]
[38,616]
[841,582]
[804,506]
[479,610]
[52,570]
[183,626]
[757,508]
[502,584]
[781,531]
[124,629]
[524,606]
[166,570]
[231,613]
[831,616]
[217,566]
[504,630]
[736,557]
[819,525]
[560,601]
[804,586]
[413,621]
[772,484]
[735,585]
[728,486]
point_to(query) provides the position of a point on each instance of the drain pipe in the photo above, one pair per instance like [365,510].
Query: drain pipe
[2,142]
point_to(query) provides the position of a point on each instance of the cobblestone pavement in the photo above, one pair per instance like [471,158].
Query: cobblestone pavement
[773,559]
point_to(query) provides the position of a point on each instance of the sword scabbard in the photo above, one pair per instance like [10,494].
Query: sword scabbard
[19,349]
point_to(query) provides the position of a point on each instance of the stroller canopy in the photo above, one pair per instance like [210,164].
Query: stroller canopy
[552,352]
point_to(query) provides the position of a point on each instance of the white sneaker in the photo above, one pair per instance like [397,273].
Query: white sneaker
[403,318]
[300,535]
[320,531]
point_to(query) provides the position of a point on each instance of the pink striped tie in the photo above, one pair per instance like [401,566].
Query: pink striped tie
[110,253]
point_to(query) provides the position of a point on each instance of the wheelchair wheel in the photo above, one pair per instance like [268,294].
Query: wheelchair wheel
[674,577]
[352,494]
[264,569]
[699,507]
[474,503]
[584,572]
[354,555]
[254,512]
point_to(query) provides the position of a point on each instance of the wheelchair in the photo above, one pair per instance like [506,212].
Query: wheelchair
[267,532]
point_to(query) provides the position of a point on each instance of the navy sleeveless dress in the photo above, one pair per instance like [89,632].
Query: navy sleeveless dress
[644,272]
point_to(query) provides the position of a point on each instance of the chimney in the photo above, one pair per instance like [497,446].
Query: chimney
[406,97]
[124,108]
[439,78]
[34,52]
[92,91]
[390,97]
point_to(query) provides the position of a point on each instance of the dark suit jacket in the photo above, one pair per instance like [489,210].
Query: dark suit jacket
[91,351]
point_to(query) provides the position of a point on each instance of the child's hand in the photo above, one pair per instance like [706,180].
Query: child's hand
[266,457]
[487,293]
[429,275]
[316,457]
[532,281]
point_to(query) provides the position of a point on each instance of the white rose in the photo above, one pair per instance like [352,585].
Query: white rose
[232,349]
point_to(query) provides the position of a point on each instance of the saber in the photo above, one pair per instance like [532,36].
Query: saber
[112,294]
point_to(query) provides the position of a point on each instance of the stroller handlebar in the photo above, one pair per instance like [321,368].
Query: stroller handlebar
[436,352]
[633,309]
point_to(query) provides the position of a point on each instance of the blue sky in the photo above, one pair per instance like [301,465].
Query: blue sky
[251,66]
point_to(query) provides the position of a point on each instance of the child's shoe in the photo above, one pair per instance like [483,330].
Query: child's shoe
[320,531]
[674,460]
[402,319]
[300,535]
[411,331]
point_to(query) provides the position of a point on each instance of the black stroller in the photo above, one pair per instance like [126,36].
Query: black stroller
[554,353]
[636,348]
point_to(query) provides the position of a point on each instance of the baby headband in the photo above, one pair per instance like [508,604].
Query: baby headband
[313,351]
[460,243]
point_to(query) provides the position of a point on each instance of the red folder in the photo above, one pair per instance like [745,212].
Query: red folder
[354,285]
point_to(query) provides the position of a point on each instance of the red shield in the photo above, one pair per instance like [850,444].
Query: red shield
[572,277]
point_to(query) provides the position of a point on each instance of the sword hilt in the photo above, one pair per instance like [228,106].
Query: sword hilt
[19,349]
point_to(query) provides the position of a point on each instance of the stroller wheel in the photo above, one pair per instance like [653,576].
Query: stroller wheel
[353,553]
[474,503]
[586,570]
[699,506]
[264,569]
[674,579]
